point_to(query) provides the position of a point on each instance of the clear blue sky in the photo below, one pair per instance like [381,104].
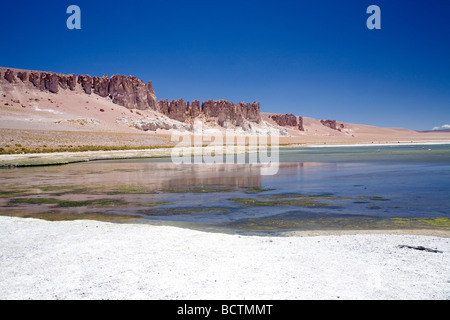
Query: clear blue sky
[313,58]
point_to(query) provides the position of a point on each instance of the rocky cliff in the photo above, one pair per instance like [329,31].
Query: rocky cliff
[128,92]
[132,93]
[179,109]
[226,113]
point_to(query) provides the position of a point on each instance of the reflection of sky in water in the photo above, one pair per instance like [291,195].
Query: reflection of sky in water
[413,181]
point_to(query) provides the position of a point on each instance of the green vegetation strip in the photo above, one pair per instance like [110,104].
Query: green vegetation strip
[70,203]
[69,216]
[18,148]
[289,200]
[332,222]
[39,162]
[251,202]
[185,211]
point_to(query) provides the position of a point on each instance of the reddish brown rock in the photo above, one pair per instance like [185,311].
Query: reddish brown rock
[72,81]
[288,120]
[285,120]
[229,113]
[163,106]
[132,93]
[329,123]
[51,83]
[140,93]
[300,124]
[67,81]
[332,124]
[194,109]
[129,92]
[62,81]
[151,97]
[251,111]
[176,109]
[22,76]
[101,86]
[9,75]
[120,91]
[35,78]
[224,112]
[86,83]
[48,81]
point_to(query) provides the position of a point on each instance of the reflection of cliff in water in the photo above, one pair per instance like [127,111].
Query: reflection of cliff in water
[156,176]
[152,176]
[169,176]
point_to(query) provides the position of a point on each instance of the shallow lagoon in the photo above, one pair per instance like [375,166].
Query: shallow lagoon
[324,188]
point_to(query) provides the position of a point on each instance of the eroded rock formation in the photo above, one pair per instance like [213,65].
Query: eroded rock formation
[22,76]
[49,81]
[290,120]
[224,112]
[133,93]
[86,83]
[9,76]
[332,124]
[128,92]
[101,86]
[229,113]
[67,81]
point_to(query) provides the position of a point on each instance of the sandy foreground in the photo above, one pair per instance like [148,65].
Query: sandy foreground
[96,260]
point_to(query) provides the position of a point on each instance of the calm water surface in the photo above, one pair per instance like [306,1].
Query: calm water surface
[315,188]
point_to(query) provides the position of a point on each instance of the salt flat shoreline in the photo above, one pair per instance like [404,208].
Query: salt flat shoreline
[98,260]
[56,158]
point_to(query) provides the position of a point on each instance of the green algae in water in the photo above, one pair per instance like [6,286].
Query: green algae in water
[14,193]
[70,203]
[437,223]
[185,211]
[377,198]
[70,216]
[337,222]
[200,190]
[290,199]
[326,196]
[114,190]
[257,189]
[156,203]
[302,223]
[251,202]
[62,190]
[129,189]
[39,162]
